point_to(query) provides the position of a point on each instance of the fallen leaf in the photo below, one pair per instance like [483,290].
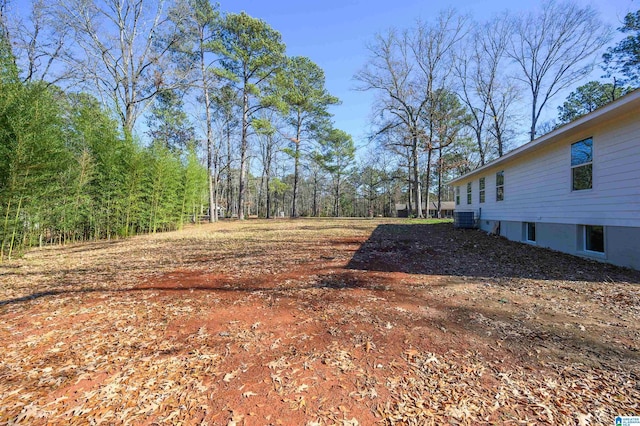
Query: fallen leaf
[411,353]
[230,376]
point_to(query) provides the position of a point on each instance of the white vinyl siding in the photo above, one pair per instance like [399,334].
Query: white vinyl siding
[537,186]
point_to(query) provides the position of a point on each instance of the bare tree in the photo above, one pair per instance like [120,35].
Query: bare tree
[124,55]
[388,73]
[4,30]
[40,43]
[433,46]
[392,73]
[226,105]
[8,68]
[407,70]
[469,70]
[451,120]
[395,142]
[3,12]
[552,48]
[486,89]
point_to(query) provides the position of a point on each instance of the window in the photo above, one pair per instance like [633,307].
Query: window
[594,238]
[530,229]
[481,183]
[582,165]
[457,195]
[469,193]
[500,186]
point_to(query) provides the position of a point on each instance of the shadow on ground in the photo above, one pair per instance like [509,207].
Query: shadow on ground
[186,282]
[427,249]
[440,249]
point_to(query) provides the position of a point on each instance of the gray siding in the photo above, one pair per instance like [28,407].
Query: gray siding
[557,236]
[511,230]
[538,186]
[622,244]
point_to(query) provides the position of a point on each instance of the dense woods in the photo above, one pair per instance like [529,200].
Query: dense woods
[70,172]
[120,117]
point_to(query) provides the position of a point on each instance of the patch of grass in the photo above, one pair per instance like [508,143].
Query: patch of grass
[428,221]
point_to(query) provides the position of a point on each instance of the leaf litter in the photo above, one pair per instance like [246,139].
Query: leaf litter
[316,322]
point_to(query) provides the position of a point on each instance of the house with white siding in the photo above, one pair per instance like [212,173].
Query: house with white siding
[575,190]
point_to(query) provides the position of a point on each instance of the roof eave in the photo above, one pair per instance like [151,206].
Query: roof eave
[619,106]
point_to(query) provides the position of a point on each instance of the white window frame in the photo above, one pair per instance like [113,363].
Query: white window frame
[584,240]
[527,235]
[498,186]
[585,164]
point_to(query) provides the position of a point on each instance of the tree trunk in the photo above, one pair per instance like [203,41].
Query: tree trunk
[229,182]
[439,181]
[213,211]
[268,198]
[261,193]
[267,173]
[296,171]
[534,118]
[296,167]
[481,148]
[500,144]
[428,179]
[410,191]
[243,153]
[336,206]
[416,177]
[315,196]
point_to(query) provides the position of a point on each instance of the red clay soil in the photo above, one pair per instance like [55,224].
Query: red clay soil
[351,322]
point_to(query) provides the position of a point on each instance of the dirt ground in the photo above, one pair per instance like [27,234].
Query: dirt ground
[317,322]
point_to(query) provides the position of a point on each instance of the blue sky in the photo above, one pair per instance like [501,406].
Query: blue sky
[334,33]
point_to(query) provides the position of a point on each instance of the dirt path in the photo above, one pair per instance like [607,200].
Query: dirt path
[351,322]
